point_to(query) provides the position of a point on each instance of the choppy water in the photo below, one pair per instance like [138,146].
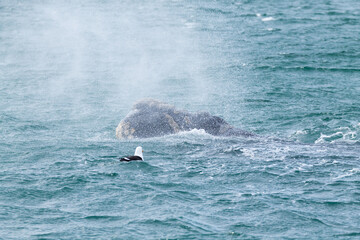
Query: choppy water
[287,70]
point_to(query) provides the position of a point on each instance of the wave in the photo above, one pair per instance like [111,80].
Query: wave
[349,133]
[349,173]
[341,134]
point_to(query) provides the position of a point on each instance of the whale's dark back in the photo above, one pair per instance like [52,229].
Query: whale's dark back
[151,118]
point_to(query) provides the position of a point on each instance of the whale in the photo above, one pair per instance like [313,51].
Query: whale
[152,118]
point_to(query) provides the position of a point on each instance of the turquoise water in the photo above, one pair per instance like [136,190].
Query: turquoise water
[288,71]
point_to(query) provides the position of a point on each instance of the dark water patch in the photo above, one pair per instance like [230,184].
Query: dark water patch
[314,184]
[100,175]
[10,179]
[236,206]
[348,21]
[335,13]
[241,225]
[109,157]
[32,196]
[185,196]
[321,114]
[349,234]
[336,207]
[7,118]
[188,147]
[215,11]
[191,174]
[48,235]
[94,146]
[180,226]
[340,204]
[300,20]
[135,187]
[340,184]
[288,218]
[280,196]
[103,218]
[340,53]
[139,166]
[258,100]
[308,68]
[168,185]
[63,165]
[68,180]
[32,127]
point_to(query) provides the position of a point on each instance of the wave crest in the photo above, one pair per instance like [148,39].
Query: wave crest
[342,134]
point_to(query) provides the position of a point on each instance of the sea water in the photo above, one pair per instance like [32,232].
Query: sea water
[289,71]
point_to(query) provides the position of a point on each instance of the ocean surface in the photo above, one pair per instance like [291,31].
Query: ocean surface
[288,71]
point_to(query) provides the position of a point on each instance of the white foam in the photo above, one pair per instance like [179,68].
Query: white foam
[301,132]
[194,132]
[267,19]
[323,138]
[249,152]
[343,134]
